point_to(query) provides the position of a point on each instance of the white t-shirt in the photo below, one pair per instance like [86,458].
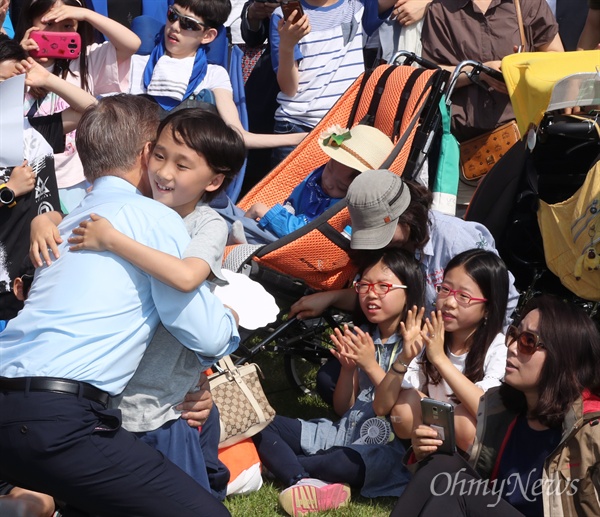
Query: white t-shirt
[494,366]
[216,76]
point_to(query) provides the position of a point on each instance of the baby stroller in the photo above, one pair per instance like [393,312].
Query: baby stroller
[541,201]
[401,101]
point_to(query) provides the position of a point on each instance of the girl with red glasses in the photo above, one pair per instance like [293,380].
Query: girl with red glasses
[457,353]
[537,449]
[319,460]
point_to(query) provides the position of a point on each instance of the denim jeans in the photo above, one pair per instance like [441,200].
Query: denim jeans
[285,127]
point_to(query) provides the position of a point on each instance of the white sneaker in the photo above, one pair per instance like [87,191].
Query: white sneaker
[313,495]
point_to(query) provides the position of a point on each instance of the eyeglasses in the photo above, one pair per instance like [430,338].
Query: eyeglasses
[527,342]
[378,288]
[461,297]
[187,23]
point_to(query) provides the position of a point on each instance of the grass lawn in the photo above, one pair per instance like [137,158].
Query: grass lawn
[289,402]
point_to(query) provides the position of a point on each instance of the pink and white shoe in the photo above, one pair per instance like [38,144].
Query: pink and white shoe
[313,495]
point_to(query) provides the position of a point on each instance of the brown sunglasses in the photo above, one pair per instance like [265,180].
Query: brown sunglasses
[527,342]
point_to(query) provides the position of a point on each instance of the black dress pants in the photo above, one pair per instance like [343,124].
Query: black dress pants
[75,450]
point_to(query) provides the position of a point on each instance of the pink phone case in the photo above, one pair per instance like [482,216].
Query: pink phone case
[56,45]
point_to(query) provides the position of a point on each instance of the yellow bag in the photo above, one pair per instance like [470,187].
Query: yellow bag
[571,235]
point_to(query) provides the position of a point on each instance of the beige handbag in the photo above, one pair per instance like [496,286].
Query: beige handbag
[243,406]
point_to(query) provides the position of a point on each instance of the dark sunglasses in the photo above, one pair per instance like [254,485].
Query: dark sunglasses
[527,342]
[187,23]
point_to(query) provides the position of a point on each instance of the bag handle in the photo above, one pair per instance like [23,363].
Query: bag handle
[521,26]
[226,364]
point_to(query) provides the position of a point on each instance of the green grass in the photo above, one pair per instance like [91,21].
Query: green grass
[288,401]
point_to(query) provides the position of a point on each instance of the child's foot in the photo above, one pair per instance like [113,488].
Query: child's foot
[237,233]
[313,495]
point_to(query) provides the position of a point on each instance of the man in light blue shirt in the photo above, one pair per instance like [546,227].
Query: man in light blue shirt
[85,326]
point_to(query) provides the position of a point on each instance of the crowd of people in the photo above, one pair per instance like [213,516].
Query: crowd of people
[114,225]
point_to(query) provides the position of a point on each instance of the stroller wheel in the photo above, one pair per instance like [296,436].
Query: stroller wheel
[301,372]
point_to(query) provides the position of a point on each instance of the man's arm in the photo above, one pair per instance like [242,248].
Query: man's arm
[590,36]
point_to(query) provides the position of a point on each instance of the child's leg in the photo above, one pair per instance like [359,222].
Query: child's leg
[465,426]
[278,447]
[406,413]
[181,444]
[337,465]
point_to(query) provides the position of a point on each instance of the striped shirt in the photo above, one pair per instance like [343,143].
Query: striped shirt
[330,57]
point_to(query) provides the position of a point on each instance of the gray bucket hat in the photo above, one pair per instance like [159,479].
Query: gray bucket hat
[376,199]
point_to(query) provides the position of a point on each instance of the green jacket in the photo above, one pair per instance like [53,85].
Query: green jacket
[571,476]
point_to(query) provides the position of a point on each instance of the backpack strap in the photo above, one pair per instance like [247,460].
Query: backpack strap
[358,97]
[400,144]
[369,118]
[404,96]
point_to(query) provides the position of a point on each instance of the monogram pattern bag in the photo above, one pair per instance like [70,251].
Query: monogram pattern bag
[243,406]
[480,154]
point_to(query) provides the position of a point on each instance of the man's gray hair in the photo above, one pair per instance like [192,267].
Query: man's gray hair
[112,134]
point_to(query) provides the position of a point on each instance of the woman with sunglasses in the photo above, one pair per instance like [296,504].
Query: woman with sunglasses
[459,351]
[537,450]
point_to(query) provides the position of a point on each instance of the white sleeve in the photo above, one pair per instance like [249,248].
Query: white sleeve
[216,78]
[494,364]
[414,377]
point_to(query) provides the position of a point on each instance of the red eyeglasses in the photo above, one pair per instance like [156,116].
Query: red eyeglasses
[527,342]
[462,298]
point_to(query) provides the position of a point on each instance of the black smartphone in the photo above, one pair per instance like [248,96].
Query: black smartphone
[289,6]
[440,417]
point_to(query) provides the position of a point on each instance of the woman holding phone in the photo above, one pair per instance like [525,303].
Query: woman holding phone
[537,450]
[99,69]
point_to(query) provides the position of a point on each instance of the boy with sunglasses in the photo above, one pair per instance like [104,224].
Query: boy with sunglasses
[177,69]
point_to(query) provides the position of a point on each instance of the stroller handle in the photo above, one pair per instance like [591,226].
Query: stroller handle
[472,69]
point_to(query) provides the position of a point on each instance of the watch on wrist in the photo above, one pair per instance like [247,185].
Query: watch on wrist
[7,196]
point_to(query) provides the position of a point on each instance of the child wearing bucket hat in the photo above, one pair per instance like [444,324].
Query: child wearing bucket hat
[351,152]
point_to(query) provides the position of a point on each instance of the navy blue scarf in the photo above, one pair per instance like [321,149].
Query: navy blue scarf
[198,72]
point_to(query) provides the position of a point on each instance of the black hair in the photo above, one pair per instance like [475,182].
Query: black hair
[213,12]
[406,267]
[491,276]
[572,344]
[11,50]
[207,133]
[33,9]
[416,216]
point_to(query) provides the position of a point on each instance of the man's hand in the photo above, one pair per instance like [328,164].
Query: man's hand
[408,12]
[197,404]
[22,179]
[258,11]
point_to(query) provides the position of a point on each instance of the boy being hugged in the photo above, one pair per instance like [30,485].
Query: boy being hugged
[317,56]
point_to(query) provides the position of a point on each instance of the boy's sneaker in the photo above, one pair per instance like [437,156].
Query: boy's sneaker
[313,495]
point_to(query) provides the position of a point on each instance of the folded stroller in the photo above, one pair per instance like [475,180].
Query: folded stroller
[542,200]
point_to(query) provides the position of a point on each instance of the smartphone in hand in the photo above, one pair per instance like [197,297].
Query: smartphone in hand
[289,6]
[440,417]
[56,45]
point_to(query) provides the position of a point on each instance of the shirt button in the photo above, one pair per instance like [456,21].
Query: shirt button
[24,429]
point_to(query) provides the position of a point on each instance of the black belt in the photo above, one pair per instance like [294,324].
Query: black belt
[54,385]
